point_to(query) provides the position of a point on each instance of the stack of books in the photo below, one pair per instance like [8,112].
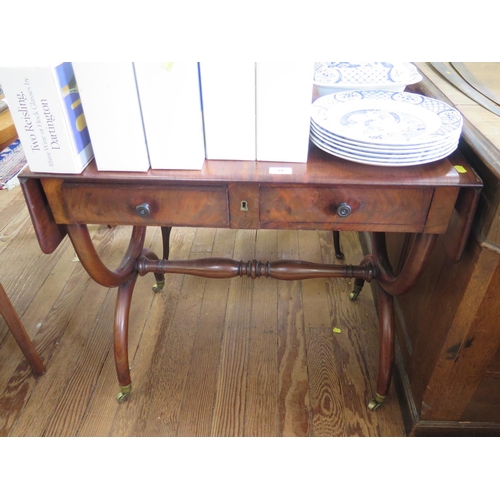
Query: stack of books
[257,111]
[159,115]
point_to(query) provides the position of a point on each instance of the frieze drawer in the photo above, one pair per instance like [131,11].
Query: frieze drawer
[305,207]
[199,206]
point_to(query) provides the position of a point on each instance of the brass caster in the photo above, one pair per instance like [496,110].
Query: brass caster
[158,286]
[356,290]
[124,394]
[376,402]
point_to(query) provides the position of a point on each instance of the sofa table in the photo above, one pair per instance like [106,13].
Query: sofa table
[326,193]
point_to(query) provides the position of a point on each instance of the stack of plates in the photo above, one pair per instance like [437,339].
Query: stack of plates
[380,127]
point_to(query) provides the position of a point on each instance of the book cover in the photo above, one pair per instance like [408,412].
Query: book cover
[108,91]
[169,95]
[284,97]
[49,120]
[228,98]
[12,161]
[73,104]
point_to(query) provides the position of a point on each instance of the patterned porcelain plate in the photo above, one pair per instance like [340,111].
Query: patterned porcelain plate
[381,149]
[381,162]
[384,117]
[387,154]
[365,74]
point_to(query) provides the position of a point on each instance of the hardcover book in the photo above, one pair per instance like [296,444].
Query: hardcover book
[228,96]
[46,109]
[111,103]
[169,95]
[284,96]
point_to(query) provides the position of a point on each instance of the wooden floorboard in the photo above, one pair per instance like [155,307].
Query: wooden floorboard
[229,357]
[293,387]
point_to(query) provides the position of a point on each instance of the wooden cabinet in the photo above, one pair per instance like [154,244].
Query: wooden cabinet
[448,324]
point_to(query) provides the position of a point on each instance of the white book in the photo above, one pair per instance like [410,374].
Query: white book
[228,96]
[47,112]
[169,94]
[284,97]
[109,96]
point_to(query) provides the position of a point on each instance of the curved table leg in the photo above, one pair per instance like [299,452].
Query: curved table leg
[389,285]
[414,264]
[122,313]
[124,277]
[386,352]
[92,263]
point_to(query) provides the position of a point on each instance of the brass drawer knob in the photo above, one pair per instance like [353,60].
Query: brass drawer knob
[343,210]
[143,210]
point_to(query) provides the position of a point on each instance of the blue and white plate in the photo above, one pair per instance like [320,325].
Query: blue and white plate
[381,162]
[361,151]
[365,73]
[381,149]
[382,117]
[330,77]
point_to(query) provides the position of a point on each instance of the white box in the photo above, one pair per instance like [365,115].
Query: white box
[47,112]
[109,96]
[169,94]
[228,96]
[284,96]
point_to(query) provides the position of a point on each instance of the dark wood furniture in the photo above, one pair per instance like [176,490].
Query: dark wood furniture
[447,372]
[419,201]
[19,333]
[8,135]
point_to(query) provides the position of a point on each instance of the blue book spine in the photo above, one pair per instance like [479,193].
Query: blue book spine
[73,105]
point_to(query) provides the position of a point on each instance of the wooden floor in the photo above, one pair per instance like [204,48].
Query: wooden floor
[235,357]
